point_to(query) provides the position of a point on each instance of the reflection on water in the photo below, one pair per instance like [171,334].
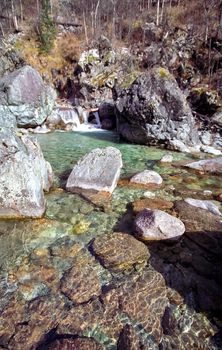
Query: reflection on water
[156,305]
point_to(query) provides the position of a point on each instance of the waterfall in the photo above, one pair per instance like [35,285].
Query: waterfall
[98,123]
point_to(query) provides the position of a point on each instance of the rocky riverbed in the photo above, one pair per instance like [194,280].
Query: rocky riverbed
[81,277]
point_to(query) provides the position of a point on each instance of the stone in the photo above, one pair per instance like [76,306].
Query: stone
[24,98]
[107,115]
[24,176]
[154,203]
[74,344]
[204,204]
[167,158]
[147,177]
[64,118]
[153,110]
[178,145]
[213,165]
[203,101]
[120,251]
[81,283]
[99,170]
[153,225]
[217,119]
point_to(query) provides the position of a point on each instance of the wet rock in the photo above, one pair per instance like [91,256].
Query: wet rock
[204,204]
[198,220]
[120,251]
[154,110]
[154,203]
[178,145]
[147,177]
[167,158]
[99,170]
[107,116]
[152,225]
[74,344]
[65,118]
[81,283]
[128,339]
[24,176]
[203,101]
[217,119]
[209,165]
[25,98]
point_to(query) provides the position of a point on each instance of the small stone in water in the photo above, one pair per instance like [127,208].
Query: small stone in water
[154,225]
[149,194]
[167,158]
[147,177]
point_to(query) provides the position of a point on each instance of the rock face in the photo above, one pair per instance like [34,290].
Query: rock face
[208,165]
[152,225]
[24,175]
[24,99]
[147,177]
[99,170]
[154,110]
[204,204]
[120,251]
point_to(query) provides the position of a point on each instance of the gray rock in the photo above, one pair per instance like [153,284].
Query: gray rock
[154,110]
[217,119]
[24,98]
[178,145]
[204,204]
[147,177]
[208,165]
[154,225]
[99,170]
[24,174]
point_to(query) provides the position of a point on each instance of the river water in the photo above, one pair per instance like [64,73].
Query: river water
[172,302]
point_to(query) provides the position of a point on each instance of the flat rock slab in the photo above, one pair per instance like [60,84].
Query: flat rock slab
[209,165]
[204,204]
[99,170]
[120,251]
[147,177]
[156,225]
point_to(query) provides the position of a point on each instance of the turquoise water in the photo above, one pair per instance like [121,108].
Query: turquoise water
[35,254]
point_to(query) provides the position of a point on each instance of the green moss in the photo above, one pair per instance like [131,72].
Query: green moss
[129,79]
[164,73]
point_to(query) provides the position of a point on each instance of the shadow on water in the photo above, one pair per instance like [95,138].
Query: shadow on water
[192,266]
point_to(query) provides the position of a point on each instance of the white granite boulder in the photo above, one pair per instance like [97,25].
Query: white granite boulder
[156,225]
[147,177]
[99,170]
[24,175]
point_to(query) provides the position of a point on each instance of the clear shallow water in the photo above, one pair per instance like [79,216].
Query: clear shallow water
[34,254]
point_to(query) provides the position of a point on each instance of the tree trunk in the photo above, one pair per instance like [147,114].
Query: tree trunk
[158,12]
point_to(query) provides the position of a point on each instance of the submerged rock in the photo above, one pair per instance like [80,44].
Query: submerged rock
[147,177]
[204,204]
[24,175]
[153,225]
[154,110]
[81,283]
[209,165]
[24,98]
[99,170]
[74,344]
[152,203]
[120,251]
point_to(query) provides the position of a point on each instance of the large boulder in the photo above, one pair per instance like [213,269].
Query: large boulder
[154,110]
[24,98]
[24,175]
[99,170]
